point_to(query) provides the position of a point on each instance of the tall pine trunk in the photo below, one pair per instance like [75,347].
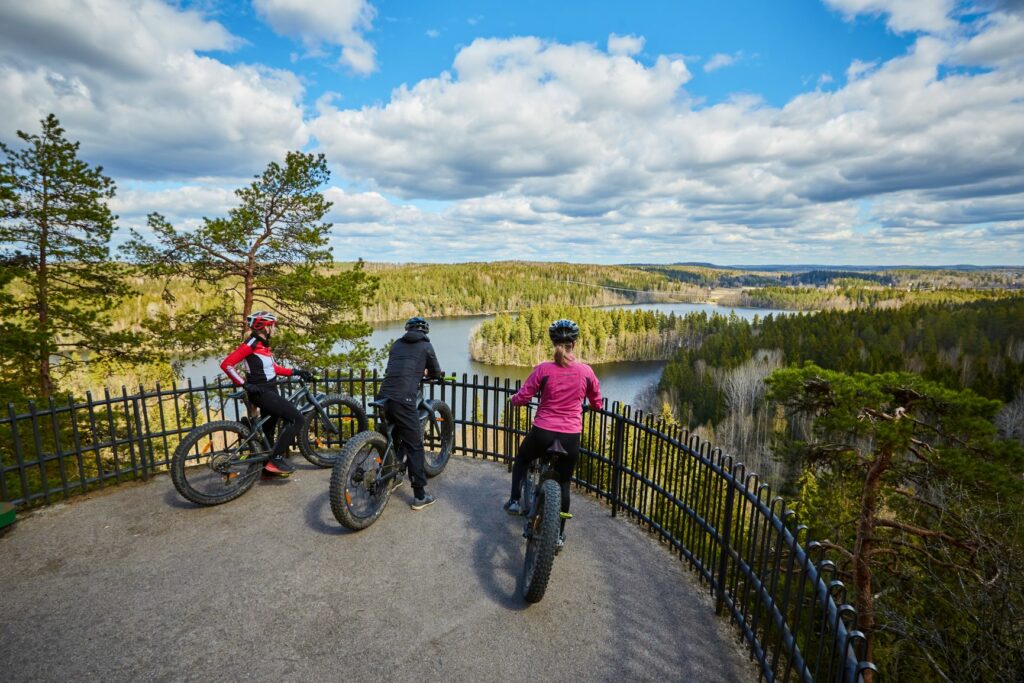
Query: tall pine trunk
[862,550]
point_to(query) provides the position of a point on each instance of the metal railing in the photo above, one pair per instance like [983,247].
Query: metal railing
[744,544]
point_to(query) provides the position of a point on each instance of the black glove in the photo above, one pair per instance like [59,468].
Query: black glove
[304,375]
[251,388]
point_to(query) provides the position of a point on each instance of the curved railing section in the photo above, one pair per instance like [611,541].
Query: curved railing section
[744,544]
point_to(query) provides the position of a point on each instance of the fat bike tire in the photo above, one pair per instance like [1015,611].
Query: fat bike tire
[208,469]
[357,495]
[543,527]
[320,445]
[438,437]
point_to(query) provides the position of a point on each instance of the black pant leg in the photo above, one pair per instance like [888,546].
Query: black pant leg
[534,444]
[272,403]
[269,428]
[566,465]
[405,417]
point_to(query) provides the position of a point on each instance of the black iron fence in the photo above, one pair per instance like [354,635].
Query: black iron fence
[743,543]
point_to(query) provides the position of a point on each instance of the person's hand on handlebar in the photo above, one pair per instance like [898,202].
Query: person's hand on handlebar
[303,374]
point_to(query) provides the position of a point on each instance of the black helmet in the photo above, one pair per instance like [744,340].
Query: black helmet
[564,331]
[417,323]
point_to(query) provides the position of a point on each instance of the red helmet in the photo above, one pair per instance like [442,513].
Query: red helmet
[260,320]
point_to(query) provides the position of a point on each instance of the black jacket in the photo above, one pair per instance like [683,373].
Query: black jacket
[409,357]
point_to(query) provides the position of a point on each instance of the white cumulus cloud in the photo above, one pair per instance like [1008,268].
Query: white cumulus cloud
[537,139]
[720,60]
[127,81]
[902,15]
[341,23]
[625,45]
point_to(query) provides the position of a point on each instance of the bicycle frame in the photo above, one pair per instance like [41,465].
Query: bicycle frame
[312,402]
[540,470]
[380,416]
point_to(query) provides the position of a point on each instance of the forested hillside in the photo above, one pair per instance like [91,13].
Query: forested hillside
[896,436]
[978,345]
[435,290]
[471,288]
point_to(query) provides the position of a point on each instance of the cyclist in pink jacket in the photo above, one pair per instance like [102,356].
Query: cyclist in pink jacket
[562,385]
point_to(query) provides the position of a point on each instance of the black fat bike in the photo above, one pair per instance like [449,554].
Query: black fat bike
[370,467]
[219,461]
[541,502]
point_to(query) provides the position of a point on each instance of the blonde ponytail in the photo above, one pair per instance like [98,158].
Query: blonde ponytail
[563,354]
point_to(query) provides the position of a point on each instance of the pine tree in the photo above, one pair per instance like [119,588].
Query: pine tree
[919,486]
[55,226]
[271,252]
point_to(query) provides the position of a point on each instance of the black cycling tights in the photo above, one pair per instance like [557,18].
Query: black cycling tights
[277,406]
[536,444]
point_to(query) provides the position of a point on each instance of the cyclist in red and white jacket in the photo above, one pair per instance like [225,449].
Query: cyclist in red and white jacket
[259,383]
[562,385]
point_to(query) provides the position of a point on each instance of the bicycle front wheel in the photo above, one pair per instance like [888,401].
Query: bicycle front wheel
[542,541]
[317,442]
[216,462]
[438,437]
[358,495]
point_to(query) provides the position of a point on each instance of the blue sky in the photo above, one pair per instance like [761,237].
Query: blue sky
[780,48]
[831,131]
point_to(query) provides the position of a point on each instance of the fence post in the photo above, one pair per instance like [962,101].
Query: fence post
[726,548]
[618,441]
[141,437]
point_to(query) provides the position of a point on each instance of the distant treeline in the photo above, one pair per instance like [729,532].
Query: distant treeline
[473,288]
[605,335]
[910,278]
[846,294]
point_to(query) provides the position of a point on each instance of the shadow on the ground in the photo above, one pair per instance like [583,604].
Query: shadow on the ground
[497,546]
[320,519]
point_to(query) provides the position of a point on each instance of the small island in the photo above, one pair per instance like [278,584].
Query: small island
[606,335]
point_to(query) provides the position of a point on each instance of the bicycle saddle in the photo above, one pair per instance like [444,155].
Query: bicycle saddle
[556,447]
[380,403]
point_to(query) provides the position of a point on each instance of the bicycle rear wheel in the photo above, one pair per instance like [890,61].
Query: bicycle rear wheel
[542,541]
[357,494]
[215,463]
[317,443]
[438,437]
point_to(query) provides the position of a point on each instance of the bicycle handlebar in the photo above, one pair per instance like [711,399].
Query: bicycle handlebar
[438,380]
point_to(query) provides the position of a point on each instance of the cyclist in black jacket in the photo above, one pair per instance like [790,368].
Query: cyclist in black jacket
[412,356]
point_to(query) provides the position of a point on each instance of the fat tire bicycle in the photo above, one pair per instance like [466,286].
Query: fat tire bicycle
[541,501]
[370,467]
[219,461]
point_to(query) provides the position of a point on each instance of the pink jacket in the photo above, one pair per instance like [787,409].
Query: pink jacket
[562,393]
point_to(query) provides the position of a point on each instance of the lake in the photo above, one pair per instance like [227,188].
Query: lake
[621,381]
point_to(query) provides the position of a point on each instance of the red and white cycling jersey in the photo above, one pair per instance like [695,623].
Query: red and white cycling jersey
[260,365]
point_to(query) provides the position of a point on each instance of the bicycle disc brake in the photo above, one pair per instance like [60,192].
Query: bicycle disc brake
[371,478]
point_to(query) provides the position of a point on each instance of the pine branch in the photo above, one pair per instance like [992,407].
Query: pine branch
[926,533]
